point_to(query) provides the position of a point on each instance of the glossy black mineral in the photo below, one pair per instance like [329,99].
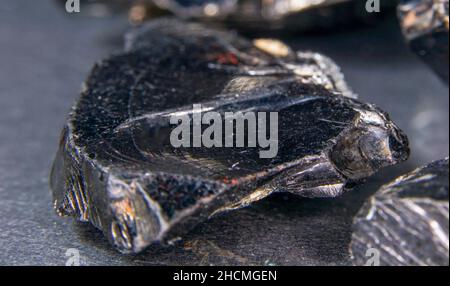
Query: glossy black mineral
[406,221]
[117,169]
[425,24]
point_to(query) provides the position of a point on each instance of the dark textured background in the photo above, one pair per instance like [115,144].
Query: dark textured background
[44,56]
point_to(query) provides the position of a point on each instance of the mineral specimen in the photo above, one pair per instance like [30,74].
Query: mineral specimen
[406,222]
[118,168]
[425,24]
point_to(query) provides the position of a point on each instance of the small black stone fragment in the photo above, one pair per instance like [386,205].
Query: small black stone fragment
[425,24]
[406,221]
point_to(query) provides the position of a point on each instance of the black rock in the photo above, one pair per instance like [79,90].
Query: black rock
[117,169]
[406,222]
[425,24]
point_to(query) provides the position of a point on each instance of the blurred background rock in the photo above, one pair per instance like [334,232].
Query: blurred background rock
[249,16]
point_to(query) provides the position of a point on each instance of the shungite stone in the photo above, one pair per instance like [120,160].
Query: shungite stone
[117,169]
[406,221]
[425,24]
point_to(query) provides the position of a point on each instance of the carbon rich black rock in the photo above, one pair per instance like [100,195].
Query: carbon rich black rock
[117,169]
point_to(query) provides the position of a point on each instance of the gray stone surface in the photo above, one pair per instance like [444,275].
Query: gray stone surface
[46,54]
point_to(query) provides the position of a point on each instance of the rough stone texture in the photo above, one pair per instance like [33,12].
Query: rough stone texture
[425,24]
[116,166]
[58,49]
[407,220]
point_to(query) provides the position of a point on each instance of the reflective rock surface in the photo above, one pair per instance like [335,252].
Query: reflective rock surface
[425,24]
[406,221]
[117,169]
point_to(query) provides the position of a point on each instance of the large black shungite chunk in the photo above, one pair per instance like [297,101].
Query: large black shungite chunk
[425,24]
[117,168]
[407,220]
